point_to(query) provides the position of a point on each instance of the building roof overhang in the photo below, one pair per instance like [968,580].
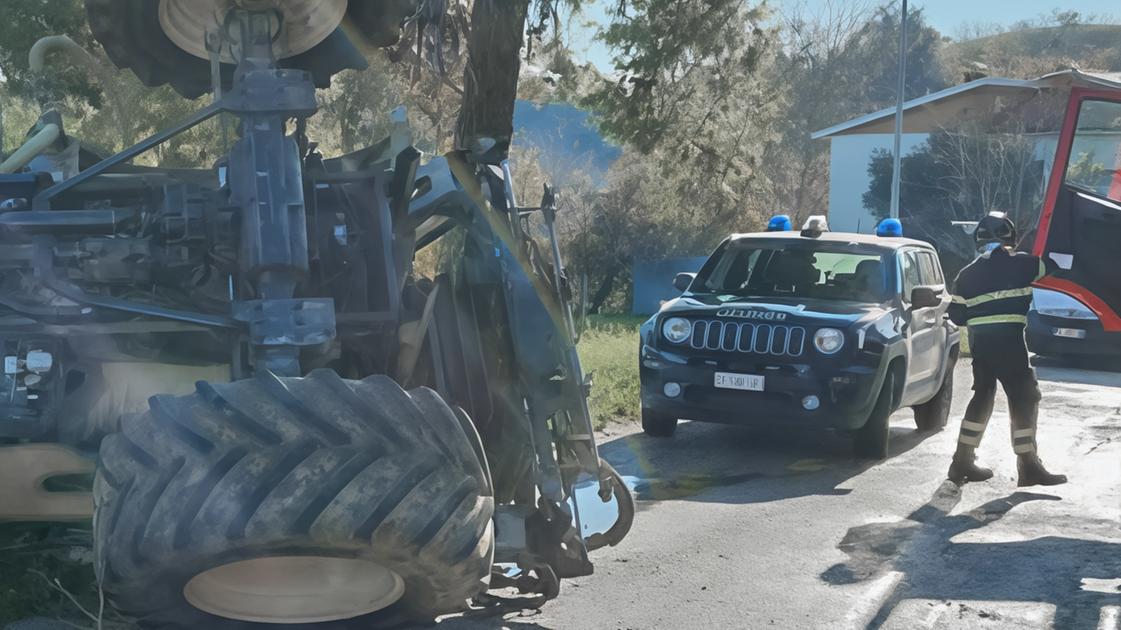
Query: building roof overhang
[927,113]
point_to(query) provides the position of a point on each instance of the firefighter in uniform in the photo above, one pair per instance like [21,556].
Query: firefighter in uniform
[992,296]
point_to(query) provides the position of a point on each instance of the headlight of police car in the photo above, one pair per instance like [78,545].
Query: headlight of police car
[676,329]
[829,340]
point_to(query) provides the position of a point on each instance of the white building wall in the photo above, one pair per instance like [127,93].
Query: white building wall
[848,177]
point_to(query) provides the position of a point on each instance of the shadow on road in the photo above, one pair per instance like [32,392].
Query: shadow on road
[1083,370]
[702,460]
[1056,570]
[492,622]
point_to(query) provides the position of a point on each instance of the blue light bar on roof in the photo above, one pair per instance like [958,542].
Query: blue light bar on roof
[889,227]
[780,223]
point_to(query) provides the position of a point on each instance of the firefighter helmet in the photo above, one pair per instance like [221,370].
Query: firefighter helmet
[995,228]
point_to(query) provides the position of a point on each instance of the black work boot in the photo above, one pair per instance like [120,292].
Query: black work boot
[1032,473]
[964,469]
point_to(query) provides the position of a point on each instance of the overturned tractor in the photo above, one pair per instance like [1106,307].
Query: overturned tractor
[294,426]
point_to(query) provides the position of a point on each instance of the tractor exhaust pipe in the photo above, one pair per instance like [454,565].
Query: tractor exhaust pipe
[37,56]
[49,134]
[35,145]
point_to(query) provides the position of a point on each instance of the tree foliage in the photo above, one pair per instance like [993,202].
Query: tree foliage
[876,45]
[961,174]
[22,23]
[670,52]
[837,61]
[689,105]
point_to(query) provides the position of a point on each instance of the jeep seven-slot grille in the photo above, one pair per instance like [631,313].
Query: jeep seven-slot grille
[773,339]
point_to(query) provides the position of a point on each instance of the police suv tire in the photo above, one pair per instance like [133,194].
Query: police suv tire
[932,415]
[873,439]
[657,424]
[284,467]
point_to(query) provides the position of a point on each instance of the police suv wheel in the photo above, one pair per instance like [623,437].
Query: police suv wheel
[932,414]
[872,440]
[657,424]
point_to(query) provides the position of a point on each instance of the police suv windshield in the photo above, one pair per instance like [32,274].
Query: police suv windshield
[771,271]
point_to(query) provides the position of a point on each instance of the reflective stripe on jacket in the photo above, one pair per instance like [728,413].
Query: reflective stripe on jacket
[995,289]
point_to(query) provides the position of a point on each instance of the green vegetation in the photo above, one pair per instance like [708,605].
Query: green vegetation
[609,351]
[46,570]
[1030,49]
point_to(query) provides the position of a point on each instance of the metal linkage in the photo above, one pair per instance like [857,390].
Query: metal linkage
[266,182]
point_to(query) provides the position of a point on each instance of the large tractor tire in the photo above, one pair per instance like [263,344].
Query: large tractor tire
[132,36]
[298,500]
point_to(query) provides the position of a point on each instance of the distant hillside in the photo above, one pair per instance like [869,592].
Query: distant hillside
[1028,53]
[564,135]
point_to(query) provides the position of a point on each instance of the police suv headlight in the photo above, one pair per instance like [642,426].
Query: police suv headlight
[676,329]
[829,340]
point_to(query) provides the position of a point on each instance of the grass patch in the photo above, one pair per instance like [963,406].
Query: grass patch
[46,570]
[609,351]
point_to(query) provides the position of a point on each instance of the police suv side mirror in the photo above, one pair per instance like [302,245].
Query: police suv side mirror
[926,297]
[682,281]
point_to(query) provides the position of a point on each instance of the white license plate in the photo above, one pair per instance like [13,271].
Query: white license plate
[747,382]
[1070,333]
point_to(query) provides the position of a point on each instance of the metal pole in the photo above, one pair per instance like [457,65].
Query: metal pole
[897,160]
[214,49]
[583,302]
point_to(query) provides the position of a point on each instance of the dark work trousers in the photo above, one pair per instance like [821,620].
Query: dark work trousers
[1000,354]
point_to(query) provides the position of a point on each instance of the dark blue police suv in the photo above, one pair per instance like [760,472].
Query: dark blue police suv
[811,329]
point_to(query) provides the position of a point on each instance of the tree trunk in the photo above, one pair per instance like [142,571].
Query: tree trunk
[605,288]
[490,80]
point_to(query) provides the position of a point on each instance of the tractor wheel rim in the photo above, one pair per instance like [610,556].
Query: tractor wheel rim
[294,589]
[307,23]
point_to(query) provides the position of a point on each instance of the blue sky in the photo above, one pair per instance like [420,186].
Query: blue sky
[948,16]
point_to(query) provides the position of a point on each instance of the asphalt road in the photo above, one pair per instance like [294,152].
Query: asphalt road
[743,529]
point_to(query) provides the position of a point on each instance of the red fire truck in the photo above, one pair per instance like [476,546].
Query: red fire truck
[1077,309]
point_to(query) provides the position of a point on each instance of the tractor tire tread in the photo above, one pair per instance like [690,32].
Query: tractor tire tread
[180,490]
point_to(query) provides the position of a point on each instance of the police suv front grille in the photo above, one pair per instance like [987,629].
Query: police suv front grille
[773,339]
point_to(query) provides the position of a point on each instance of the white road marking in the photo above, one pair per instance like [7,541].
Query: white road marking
[953,614]
[1110,618]
[868,604]
[1101,585]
